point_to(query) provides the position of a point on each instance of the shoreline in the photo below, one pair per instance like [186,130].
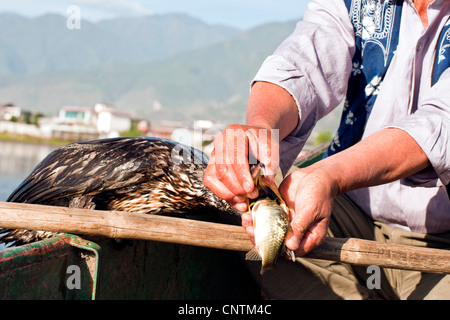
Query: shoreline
[32,140]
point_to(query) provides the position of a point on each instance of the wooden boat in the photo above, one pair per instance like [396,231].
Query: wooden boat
[70,267]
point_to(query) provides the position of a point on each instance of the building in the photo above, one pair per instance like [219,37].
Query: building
[77,115]
[111,122]
[9,111]
[81,123]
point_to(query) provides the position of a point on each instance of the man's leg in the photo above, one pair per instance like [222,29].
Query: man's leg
[416,285]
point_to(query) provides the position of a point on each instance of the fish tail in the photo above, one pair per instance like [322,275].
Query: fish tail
[267,266]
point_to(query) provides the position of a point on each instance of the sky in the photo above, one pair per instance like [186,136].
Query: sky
[243,14]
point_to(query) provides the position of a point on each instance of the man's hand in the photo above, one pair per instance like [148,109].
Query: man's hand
[271,115]
[309,195]
[228,173]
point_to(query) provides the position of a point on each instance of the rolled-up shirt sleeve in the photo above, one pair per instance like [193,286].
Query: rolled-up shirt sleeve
[313,64]
[429,126]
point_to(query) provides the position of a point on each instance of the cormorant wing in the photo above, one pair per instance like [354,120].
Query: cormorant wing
[92,167]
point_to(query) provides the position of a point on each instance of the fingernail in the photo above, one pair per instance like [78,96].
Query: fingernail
[248,187]
[293,243]
[242,207]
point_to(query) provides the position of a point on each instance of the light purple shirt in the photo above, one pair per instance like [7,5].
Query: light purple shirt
[314,65]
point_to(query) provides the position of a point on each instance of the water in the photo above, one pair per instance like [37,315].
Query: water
[17,160]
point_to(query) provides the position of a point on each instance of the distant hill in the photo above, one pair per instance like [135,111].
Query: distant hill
[193,70]
[170,67]
[44,44]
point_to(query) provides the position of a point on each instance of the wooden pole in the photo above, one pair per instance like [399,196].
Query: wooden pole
[124,225]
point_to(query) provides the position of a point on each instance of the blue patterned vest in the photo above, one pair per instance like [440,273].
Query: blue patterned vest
[376,25]
[442,59]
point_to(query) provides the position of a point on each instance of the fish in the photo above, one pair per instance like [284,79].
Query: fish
[271,224]
[270,216]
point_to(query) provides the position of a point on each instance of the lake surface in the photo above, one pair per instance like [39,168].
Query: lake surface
[17,160]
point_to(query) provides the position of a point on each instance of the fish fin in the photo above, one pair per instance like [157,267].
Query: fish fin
[253,255]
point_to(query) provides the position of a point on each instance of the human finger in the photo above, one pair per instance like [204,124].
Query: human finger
[313,237]
[221,190]
[310,203]
[231,161]
[247,220]
[247,223]
[264,146]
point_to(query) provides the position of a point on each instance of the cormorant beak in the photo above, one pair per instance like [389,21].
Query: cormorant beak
[258,174]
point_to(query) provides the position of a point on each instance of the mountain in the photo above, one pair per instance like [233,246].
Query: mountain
[45,44]
[185,78]
[161,36]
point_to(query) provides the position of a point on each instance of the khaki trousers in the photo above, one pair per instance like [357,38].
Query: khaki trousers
[319,279]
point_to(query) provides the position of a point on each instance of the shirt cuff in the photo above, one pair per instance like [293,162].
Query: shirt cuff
[431,132]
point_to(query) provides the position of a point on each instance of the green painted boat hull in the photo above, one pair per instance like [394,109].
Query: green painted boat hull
[58,268]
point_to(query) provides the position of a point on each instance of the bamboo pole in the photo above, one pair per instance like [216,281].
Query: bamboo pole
[125,225]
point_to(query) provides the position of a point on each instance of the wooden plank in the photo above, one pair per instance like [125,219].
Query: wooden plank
[364,252]
[123,225]
[114,224]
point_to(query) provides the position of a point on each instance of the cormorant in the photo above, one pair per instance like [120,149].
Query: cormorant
[143,175]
